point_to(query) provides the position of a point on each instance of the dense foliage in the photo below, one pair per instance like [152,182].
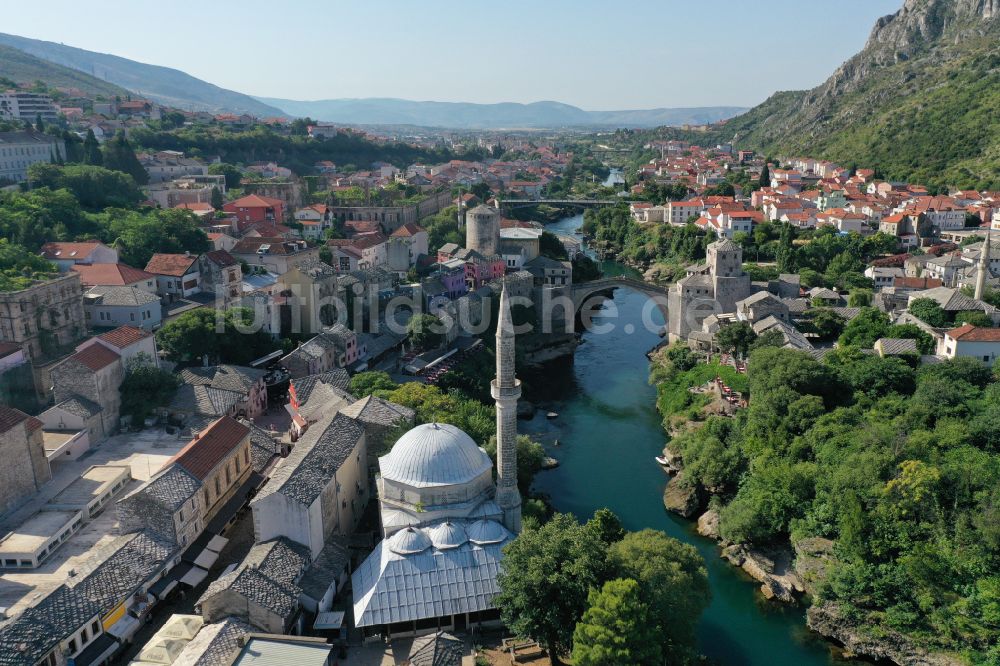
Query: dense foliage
[19,267]
[610,597]
[898,466]
[203,332]
[145,388]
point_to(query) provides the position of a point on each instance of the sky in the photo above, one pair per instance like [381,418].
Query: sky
[596,55]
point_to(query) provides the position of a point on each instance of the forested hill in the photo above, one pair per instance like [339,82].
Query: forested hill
[918,102]
[16,66]
[163,84]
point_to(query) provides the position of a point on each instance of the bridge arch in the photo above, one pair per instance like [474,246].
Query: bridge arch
[560,305]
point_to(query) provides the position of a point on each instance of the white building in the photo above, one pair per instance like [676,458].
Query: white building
[19,150]
[973,342]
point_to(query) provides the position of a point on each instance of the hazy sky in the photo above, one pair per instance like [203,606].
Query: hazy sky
[596,55]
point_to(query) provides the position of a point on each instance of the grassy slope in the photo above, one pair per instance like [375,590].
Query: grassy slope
[22,67]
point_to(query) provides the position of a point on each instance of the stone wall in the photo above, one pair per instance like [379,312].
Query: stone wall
[24,469]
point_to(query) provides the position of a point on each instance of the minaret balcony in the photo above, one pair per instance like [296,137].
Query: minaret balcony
[501,392]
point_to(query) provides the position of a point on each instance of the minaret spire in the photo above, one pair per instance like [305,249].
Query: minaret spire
[984,267]
[506,390]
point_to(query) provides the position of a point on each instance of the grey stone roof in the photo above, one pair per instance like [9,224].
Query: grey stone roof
[440,649]
[215,644]
[378,411]
[202,399]
[152,505]
[266,577]
[796,305]
[328,565]
[226,377]
[80,406]
[338,378]
[897,346]
[138,557]
[847,313]
[793,338]
[26,639]
[315,459]
[122,296]
[263,447]
[951,300]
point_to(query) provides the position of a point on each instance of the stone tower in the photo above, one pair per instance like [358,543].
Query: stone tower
[729,282]
[482,230]
[984,267]
[506,389]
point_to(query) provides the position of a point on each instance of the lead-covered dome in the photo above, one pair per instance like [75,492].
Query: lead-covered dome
[434,454]
[408,542]
[484,532]
[447,535]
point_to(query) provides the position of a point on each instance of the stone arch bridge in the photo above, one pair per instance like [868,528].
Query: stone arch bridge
[556,300]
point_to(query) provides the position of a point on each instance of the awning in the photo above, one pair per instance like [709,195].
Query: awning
[194,577]
[206,559]
[329,620]
[102,648]
[163,587]
[217,543]
[124,628]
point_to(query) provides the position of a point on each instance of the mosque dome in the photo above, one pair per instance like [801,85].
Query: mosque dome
[408,542]
[484,532]
[447,535]
[434,454]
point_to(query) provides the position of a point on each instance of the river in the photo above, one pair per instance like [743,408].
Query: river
[609,432]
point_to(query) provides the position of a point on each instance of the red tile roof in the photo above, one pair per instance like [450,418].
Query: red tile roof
[95,357]
[174,265]
[970,333]
[211,446]
[69,250]
[254,201]
[123,336]
[408,229]
[221,258]
[110,274]
[10,417]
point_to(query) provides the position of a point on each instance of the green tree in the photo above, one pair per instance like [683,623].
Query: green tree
[765,177]
[974,317]
[674,585]
[92,150]
[119,156]
[232,173]
[550,246]
[866,328]
[140,235]
[736,338]
[425,331]
[859,298]
[825,323]
[929,311]
[217,201]
[545,581]
[19,267]
[199,333]
[616,628]
[365,383]
[145,387]
[94,187]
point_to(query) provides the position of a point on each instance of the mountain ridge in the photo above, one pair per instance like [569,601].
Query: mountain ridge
[22,67]
[471,115]
[918,101]
[165,85]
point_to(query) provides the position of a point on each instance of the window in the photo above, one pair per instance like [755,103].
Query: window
[95,628]
[218,486]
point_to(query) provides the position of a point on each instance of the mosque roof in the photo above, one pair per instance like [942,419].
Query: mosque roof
[391,586]
[434,454]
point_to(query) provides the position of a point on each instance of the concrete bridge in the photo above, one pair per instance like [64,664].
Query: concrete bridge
[579,203]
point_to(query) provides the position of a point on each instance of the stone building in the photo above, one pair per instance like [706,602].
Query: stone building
[45,316]
[221,275]
[482,230]
[711,288]
[445,523]
[94,373]
[25,469]
[310,291]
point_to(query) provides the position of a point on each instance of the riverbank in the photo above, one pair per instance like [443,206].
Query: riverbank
[608,433]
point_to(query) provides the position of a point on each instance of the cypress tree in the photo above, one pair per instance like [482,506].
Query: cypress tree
[118,155]
[92,150]
[765,177]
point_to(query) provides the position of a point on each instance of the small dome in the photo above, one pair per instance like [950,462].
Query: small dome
[484,532]
[434,454]
[409,542]
[447,535]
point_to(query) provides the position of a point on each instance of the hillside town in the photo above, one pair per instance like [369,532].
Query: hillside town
[282,390]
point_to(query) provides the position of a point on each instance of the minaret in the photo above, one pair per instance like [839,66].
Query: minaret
[506,389]
[984,267]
